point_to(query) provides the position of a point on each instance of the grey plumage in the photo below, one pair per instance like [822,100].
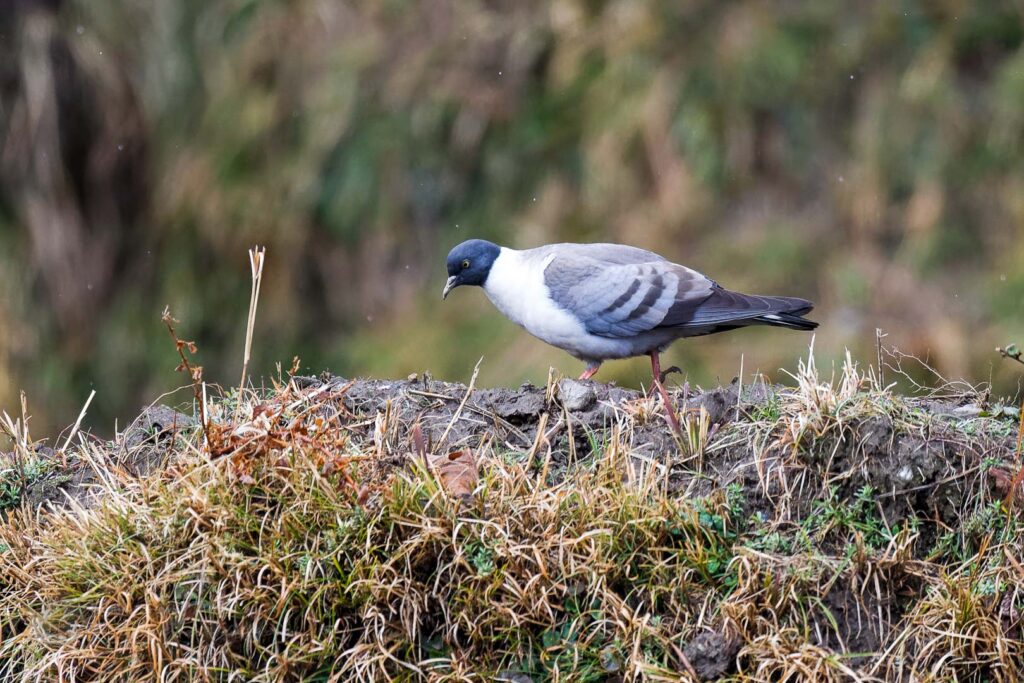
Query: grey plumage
[620,292]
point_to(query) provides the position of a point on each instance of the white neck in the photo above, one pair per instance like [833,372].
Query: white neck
[516,287]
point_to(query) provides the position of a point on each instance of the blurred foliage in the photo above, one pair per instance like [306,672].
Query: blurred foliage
[864,155]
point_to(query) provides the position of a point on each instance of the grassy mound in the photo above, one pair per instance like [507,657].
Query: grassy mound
[418,530]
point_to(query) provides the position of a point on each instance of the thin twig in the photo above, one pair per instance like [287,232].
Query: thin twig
[256,259]
[1012,352]
[78,422]
[476,409]
[195,372]
[458,411]
[739,389]
[879,336]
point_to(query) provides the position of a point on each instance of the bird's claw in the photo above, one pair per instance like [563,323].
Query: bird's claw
[668,371]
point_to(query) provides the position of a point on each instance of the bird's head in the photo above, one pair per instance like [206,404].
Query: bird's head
[470,263]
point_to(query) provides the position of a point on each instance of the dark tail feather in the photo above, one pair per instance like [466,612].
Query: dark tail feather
[727,310]
[793,322]
[789,312]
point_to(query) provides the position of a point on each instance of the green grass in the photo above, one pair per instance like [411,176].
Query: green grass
[320,549]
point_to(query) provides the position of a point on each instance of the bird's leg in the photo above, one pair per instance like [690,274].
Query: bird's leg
[591,370]
[686,385]
[670,411]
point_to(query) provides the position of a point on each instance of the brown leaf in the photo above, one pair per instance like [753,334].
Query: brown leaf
[418,443]
[1009,615]
[1000,480]
[456,470]
[363,494]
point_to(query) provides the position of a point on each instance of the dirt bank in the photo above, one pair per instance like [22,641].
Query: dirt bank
[826,520]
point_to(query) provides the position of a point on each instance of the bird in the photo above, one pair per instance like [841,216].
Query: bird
[603,301]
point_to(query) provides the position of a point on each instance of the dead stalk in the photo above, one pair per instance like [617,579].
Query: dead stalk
[195,372]
[256,259]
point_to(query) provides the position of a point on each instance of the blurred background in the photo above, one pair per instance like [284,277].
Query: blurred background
[864,155]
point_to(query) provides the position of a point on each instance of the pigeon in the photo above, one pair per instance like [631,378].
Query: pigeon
[607,301]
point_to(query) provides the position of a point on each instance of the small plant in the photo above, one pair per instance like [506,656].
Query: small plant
[769,410]
[845,520]
[15,480]
[481,556]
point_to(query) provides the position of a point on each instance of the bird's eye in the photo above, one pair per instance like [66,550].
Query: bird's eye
[465,263]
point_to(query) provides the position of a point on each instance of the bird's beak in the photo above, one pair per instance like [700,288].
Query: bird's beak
[449,286]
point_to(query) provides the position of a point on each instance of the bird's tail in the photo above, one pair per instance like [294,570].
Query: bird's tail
[787,311]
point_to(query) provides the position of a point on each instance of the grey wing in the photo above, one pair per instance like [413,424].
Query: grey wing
[623,300]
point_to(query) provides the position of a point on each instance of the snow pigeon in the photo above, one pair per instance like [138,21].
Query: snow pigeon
[606,301]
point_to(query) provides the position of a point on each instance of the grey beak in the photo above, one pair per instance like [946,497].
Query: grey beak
[449,286]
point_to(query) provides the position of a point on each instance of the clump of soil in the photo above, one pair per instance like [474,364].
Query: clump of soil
[146,446]
[712,655]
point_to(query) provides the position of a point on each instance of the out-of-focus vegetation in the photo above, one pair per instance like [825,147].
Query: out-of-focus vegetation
[865,155]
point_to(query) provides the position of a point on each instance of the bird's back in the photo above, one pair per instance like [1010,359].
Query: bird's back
[621,291]
[612,254]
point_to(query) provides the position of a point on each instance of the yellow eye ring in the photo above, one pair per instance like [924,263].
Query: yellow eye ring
[465,263]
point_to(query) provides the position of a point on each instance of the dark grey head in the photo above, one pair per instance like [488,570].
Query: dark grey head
[470,263]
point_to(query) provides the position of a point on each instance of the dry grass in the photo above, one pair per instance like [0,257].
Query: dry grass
[308,541]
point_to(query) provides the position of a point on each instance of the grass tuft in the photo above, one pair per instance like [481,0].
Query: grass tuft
[832,531]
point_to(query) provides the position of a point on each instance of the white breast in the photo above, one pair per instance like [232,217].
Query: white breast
[516,287]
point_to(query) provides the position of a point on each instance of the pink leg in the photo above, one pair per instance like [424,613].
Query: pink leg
[590,371]
[670,411]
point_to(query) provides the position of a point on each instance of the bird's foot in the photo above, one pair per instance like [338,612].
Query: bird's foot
[668,371]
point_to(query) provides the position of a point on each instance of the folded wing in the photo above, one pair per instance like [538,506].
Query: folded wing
[626,299]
